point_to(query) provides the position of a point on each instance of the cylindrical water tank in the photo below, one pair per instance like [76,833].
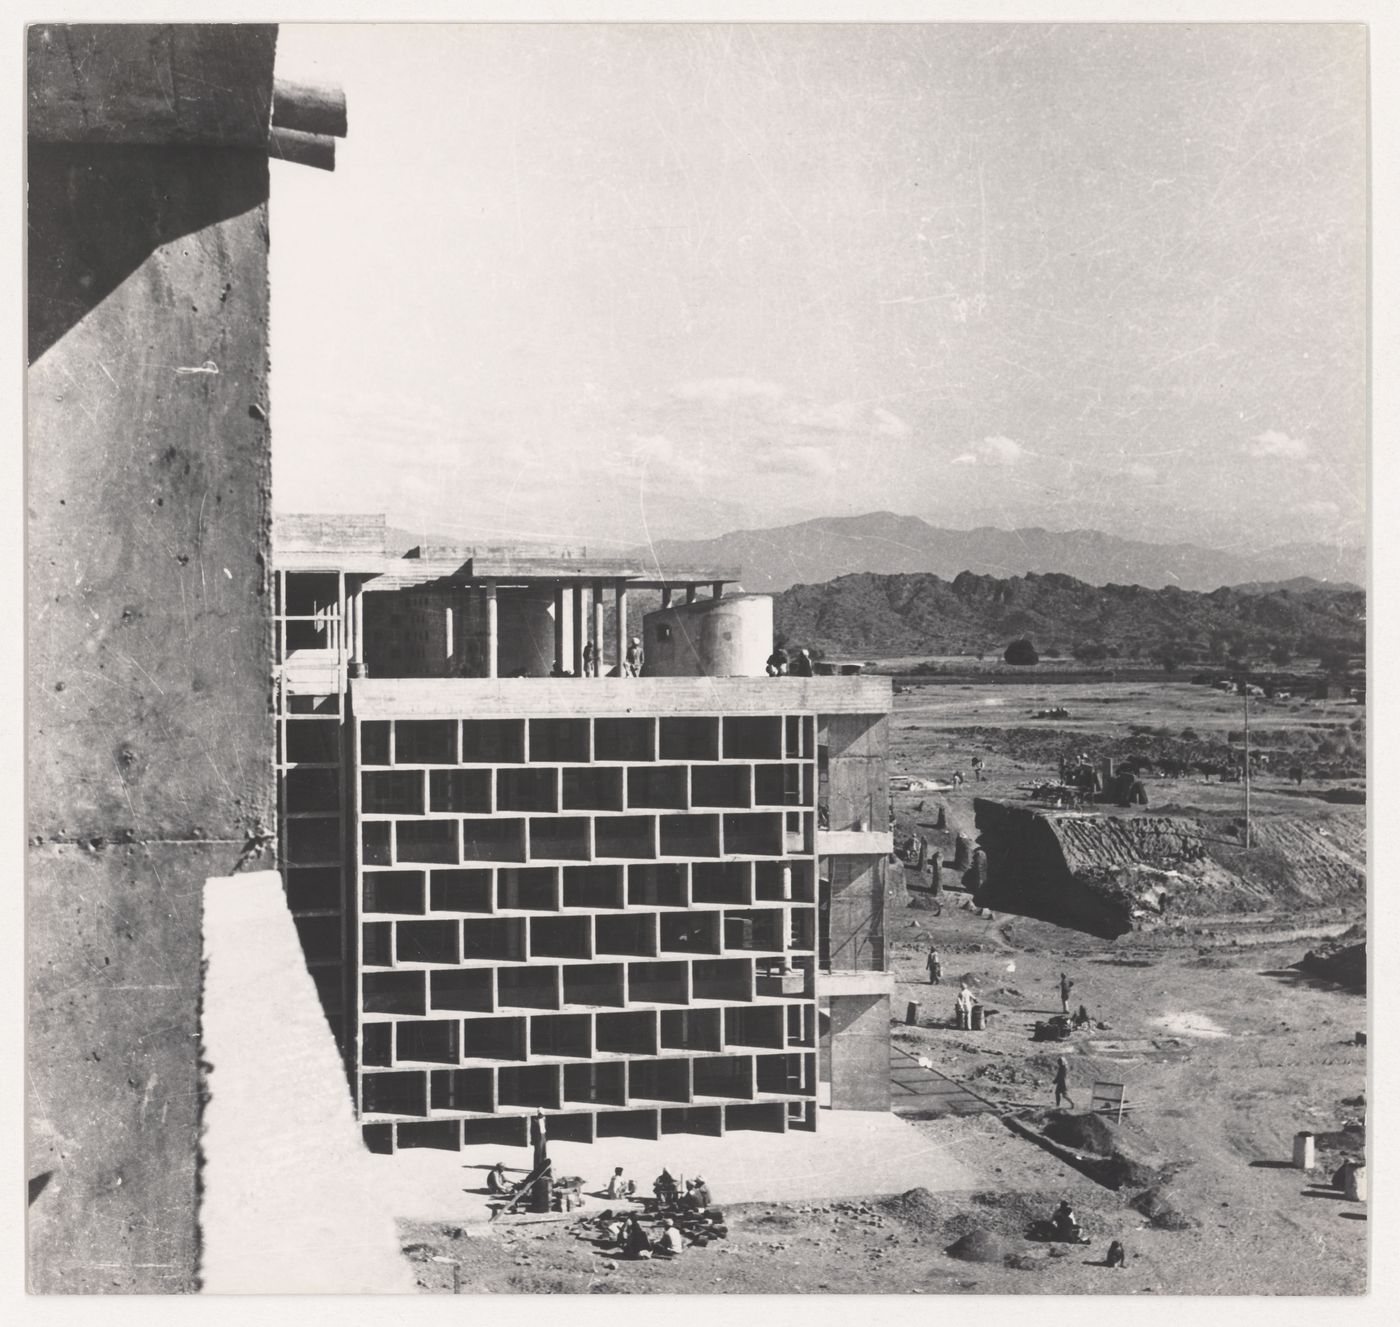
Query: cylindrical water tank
[730,637]
[526,625]
[1304,1151]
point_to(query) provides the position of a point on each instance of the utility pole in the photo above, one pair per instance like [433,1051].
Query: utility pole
[1244,693]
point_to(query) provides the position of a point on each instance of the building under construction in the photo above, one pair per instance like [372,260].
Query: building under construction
[525,879]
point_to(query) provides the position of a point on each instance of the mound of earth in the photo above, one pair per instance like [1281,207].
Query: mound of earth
[1108,1158]
[1159,1210]
[1084,1133]
[1110,874]
[917,1208]
[978,1245]
[1343,960]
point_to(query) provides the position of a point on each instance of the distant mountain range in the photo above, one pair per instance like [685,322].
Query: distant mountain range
[869,616]
[881,542]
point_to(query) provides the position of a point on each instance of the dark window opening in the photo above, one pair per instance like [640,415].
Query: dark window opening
[658,983]
[657,886]
[723,1076]
[394,891]
[688,738]
[392,792]
[633,934]
[559,838]
[435,1041]
[627,1034]
[596,985]
[660,787]
[622,739]
[427,840]
[753,738]
[462,988]
[460,891]
[720,882]
[569,1036]
[526,790]
[425,742]
[560,937]
[394,1094]
[493,741]
[593,887]
[590,789]
[494,1039]
[393,993]
[526,889]
[494,939]
[527,988]
[689,836]
[559,740]
[719,785]
[624,836]
[465,790]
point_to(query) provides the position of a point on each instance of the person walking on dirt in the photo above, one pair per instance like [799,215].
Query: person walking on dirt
[935,967]
[1062,1083]
[1066,986]
[957,778]
[977,768]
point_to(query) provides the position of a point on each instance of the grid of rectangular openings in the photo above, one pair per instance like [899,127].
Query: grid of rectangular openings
[611,919]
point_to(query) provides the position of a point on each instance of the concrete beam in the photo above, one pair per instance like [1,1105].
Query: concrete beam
[852,842]
[411,698]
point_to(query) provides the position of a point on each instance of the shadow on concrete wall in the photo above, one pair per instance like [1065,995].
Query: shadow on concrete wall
[97,213]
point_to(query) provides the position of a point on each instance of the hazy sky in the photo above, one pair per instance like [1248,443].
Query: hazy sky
[610,283]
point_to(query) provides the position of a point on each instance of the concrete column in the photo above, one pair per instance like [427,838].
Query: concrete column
[665,596]
[598,625]
[620,599]
[493,634]
[578,631]
[860,1052]
[717,590]
[560,614]
[690,594]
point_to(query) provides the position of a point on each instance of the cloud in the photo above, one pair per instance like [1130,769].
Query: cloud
[992,451]
[660,457]
[844,416]
[1273,443]
[802,460]
[724,390]
[889,424]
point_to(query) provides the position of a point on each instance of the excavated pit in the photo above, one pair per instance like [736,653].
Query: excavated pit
[1108,874]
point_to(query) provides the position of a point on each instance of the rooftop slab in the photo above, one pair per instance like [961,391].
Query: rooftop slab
[522,697]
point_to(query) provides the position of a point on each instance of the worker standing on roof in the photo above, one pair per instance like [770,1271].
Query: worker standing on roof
[777,664]
[801,665]
[633,666]
[590,660]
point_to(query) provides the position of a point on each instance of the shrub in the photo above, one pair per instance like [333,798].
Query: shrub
[1021,653]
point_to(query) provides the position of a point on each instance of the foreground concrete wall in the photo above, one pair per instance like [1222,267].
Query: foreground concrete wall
[292,1202]
[150,732]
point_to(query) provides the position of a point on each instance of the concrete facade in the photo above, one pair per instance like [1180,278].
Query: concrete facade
[597,897]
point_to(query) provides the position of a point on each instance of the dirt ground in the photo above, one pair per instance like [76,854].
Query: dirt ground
[1224,1049]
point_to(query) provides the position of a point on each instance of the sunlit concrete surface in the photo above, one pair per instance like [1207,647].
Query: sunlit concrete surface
[290,1203]
[851,1154]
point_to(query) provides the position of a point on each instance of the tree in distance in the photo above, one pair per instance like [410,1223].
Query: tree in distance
[1021,652]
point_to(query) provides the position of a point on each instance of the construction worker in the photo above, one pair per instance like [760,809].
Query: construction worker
[633,666]
[777,664]
[1066,986]
[935,967]
[801,665]
[590,660]
[1062,1083]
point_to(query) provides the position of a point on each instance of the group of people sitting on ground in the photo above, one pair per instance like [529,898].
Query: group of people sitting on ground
[681,1217]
